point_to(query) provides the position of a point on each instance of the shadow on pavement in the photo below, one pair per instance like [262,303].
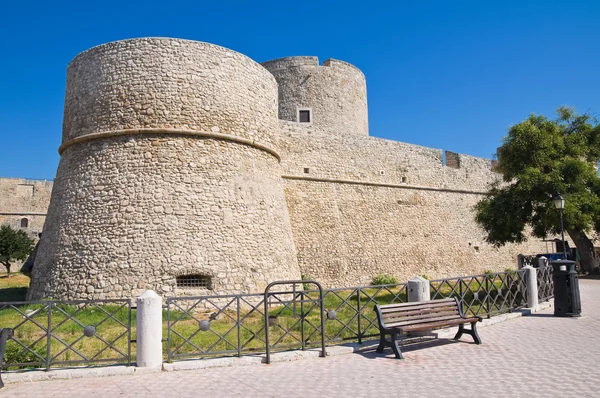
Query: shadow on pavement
[370,353]
[538,315]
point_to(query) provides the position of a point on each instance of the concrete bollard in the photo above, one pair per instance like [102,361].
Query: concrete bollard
[532,287]
[418,289]
[149,330]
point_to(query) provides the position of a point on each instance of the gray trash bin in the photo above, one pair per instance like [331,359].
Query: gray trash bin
[567,301]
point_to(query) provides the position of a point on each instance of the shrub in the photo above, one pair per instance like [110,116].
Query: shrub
[14,353]
[304,277]
[424,276]
[384,279]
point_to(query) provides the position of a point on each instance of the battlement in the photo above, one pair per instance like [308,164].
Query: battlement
[307,61]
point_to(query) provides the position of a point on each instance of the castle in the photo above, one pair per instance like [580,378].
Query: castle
[190,169]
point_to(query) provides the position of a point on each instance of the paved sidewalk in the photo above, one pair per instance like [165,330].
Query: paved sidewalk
[533,356]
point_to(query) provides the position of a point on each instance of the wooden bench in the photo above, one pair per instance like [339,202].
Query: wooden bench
[396,319]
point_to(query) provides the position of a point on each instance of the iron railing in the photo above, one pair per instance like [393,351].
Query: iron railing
[53,333]
[65,333]
[235,325]
[484,295]
[545,283]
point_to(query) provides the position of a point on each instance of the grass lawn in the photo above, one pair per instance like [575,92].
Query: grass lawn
[294,324]
[13,288]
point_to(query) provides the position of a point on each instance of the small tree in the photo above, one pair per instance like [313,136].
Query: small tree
[539,158]
[14,245]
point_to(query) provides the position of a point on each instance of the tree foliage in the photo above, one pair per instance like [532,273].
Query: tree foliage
[14,245]
[538,159]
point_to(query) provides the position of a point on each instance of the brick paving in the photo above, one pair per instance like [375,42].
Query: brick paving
[533,356]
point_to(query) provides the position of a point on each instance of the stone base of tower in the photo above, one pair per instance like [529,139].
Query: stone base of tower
[178,215]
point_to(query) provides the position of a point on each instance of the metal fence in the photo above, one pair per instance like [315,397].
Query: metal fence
[484,295]
[59,333]
[235,324]
[65,333]
[545,283]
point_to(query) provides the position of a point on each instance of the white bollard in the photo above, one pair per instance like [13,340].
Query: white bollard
[532,287]
[418,289]
[149,330]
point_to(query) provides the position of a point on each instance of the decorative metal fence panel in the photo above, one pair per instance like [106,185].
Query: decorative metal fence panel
[484,295]
[545,283]
[235,325]
[64,333]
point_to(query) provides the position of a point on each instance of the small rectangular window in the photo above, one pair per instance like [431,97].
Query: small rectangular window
[304,116]
[194,281]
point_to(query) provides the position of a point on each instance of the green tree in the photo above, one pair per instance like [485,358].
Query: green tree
[538,159]
[14,245]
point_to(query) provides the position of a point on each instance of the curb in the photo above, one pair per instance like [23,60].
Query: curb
[195,364]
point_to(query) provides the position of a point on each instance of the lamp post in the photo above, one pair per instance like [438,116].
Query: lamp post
[559,203]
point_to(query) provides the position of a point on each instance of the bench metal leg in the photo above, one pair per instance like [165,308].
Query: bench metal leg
[473,332]
[382,343]
[396,346]
[461,330]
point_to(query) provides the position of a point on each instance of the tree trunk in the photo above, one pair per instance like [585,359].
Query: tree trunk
[7,265]
[586,250]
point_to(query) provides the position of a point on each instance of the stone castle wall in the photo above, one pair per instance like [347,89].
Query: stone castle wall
[24,202]
[363,206]
[23,206]
[168,168]
[335,92]
[185,158]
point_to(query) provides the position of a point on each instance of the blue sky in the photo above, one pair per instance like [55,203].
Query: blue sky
[452,75]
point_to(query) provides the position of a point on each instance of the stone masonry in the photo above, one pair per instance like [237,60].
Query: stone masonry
[23,205]
[183,161]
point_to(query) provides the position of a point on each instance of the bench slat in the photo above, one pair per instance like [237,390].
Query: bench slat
[413,303]
[403,317]
[423,321]
[438,325]
[433,304]
[419,311]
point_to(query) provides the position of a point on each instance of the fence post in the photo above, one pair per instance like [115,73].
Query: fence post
[532,287]
[149,330]
[418,289]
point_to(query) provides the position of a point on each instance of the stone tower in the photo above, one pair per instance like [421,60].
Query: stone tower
[169,177]
[333,95]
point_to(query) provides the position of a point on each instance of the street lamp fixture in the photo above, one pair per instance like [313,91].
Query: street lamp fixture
[559,203]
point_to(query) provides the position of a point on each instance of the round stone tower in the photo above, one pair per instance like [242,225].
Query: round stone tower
[332,97]
[169,177]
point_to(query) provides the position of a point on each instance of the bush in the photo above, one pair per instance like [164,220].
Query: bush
[424,276]
[306,286]
[384,279]
[14,353]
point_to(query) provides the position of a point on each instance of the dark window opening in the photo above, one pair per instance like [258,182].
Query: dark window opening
[194,281]
[304,116]
[24,223]
[306,170]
